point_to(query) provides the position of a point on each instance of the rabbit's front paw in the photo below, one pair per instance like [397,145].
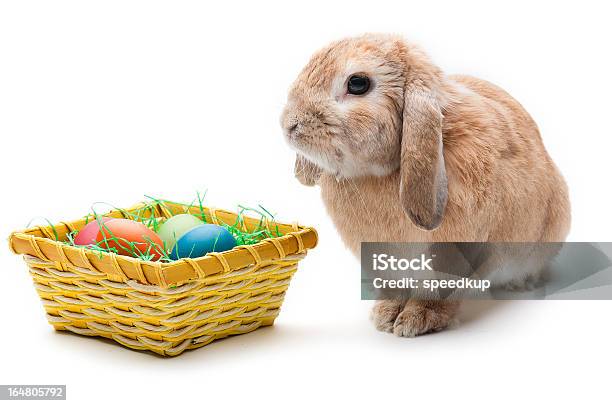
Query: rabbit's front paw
[384,314]
[422,317]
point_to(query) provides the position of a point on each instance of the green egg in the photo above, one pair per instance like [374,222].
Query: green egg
[175,227]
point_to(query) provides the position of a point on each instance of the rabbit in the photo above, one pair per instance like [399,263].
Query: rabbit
[403,152]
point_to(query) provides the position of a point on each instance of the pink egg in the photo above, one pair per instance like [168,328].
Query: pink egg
[129,237]
[88,234]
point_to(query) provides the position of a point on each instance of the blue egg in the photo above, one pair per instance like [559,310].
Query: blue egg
[201,240]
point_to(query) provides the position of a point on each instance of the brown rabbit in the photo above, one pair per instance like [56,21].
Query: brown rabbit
[403,152]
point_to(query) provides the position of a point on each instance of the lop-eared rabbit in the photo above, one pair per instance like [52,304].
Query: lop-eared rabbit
[403,152]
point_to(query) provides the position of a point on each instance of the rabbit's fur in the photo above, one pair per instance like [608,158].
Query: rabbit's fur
[423,156]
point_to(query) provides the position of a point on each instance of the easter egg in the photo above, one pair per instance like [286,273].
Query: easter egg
[201,240]
[130,238]
[87,235]
[175,227]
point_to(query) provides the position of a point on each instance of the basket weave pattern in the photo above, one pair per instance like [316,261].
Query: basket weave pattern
[188,304]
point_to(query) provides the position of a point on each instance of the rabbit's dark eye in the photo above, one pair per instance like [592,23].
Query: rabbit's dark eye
[358,84]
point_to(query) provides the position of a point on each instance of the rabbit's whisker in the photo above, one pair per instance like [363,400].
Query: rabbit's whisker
[358,192]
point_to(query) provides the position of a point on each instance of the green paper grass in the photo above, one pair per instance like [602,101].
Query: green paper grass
[152,222]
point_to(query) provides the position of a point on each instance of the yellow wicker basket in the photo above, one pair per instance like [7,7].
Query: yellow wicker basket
[170,307]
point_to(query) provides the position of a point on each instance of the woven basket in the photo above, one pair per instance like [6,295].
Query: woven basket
[166,308]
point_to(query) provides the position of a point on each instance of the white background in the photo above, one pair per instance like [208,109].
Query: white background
[108,101]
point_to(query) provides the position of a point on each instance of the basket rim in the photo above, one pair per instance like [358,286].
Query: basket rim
[40,242]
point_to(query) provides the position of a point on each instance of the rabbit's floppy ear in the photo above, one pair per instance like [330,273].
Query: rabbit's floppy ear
[305,171]
[423,183]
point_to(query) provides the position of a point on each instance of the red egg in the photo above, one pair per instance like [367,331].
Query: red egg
[119,233]
[87,235]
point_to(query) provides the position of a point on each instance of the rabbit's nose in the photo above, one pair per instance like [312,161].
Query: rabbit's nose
[292,128]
